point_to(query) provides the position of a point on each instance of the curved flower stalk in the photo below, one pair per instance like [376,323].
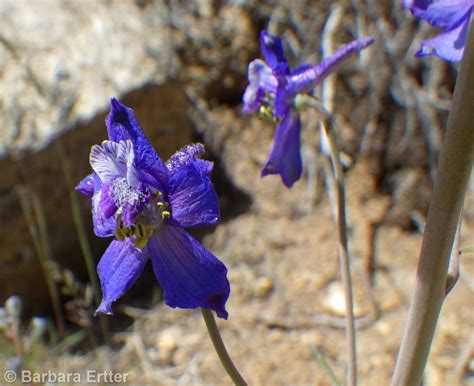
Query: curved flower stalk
[272,90]
[145,204]
[453,16]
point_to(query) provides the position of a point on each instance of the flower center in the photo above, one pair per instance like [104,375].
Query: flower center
[123,193]
[267,108]
[150,220]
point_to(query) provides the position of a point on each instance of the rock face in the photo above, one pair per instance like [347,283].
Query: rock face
[182,67]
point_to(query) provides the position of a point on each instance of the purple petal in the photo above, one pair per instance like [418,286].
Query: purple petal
[86,186]
[253,97]
[448,45]
[121,125]
[305,78]
[189,274]
[272,49]
[440,13]
[192,197]
[104,225]
[184,155]
[107,205]
[285,158]
[132,209]
[119,267]
[102,205]
[261,81]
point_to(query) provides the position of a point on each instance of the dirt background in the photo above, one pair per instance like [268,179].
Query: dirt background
[279,245]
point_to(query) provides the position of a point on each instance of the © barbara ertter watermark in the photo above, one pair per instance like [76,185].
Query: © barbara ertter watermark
[52,377]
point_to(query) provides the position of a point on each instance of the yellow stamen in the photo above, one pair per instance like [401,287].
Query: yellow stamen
[119,234]
[140,242]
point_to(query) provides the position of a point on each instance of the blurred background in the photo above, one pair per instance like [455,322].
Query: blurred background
[181,65]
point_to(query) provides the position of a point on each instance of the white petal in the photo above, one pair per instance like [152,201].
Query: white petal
[110,160]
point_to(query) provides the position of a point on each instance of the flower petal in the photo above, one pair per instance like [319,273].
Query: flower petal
[108,206]
[440,13]
[110,160]
[261,81]
[252,98]
[104,225]
[272,49]
[119,267]
[305,78]
[192,197]
[189,274]
[285,158]
[448,45]
[121,125]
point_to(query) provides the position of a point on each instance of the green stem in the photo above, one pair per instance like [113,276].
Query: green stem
[220,348]
[321,359]
[454,168]
[39,236]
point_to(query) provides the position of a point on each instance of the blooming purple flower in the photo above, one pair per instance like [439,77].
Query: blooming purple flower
[146,204]
[272,90]
[453,16]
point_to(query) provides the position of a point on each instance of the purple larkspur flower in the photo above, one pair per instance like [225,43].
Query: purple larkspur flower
[453,16]
[272,89]
[146,204]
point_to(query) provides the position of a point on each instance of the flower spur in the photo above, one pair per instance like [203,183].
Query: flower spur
[146,204]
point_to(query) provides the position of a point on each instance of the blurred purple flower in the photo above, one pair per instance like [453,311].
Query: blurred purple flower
[146,204]
[272,89]
[453,16]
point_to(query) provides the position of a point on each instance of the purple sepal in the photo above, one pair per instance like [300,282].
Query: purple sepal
[189,274]
[283,102]
[192,197]
[119,267]
[285,158]
[121,125]
[448,45]
[184,155]
[454,16]
[440,13]
[272,49]
[187,154]
[305,78]
[205,166]
[86,186]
